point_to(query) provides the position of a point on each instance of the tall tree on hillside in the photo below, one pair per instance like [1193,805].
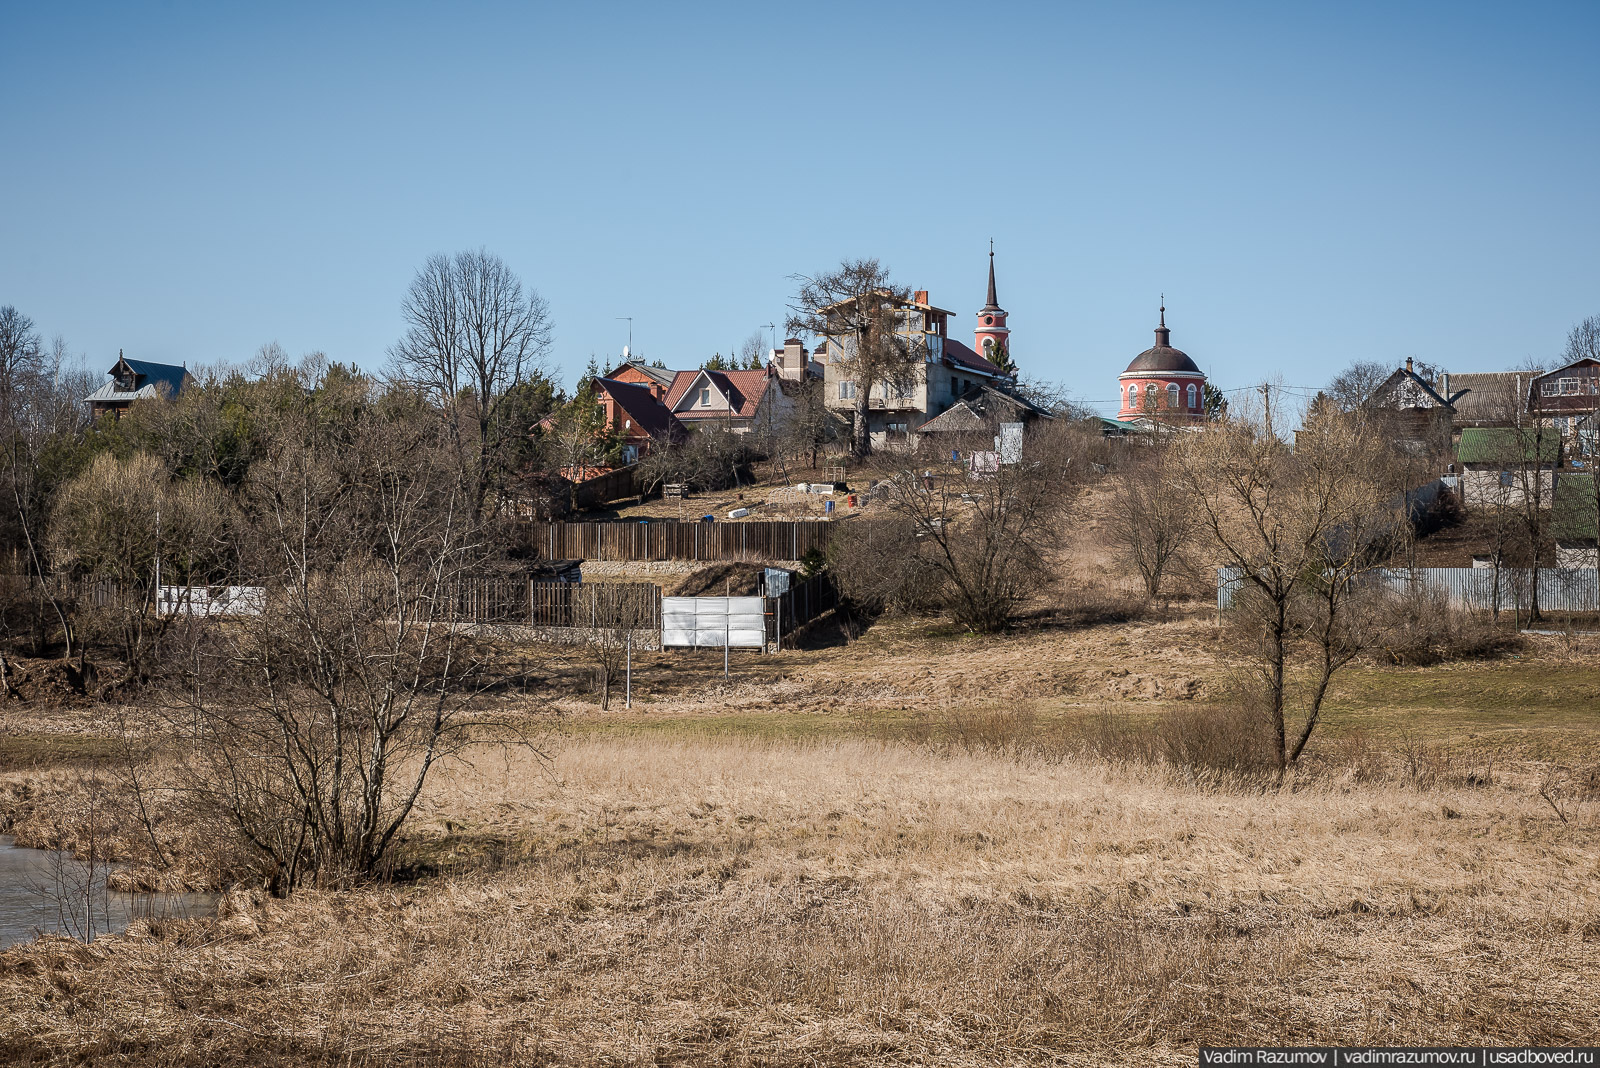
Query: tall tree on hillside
[21,357]
[861,312]
[472,334]
[1583,341]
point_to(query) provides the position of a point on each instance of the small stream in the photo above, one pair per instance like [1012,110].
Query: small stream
[43,891]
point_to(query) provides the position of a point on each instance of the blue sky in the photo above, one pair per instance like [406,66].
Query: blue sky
[1309,185]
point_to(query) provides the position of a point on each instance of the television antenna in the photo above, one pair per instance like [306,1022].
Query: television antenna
[772,329]
[629,318]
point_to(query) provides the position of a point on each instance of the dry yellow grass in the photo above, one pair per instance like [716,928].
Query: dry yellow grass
[683,901]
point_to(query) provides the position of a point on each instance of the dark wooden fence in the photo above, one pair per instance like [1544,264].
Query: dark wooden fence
[804,601]
[592,605]
[611,486]
[671,539]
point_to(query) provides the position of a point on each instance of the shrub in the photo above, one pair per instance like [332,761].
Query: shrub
[1425,629]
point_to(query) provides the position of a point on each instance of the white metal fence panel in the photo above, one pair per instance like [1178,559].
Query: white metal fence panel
[1477,588]
[713,622]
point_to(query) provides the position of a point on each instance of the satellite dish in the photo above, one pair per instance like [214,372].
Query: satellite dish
[625,353]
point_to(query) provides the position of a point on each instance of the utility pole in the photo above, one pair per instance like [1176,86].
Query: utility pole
[1266,400]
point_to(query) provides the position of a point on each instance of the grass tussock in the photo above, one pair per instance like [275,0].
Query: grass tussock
[860,901]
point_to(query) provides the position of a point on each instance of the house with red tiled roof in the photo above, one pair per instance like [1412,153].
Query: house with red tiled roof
[740,401]
[638,416]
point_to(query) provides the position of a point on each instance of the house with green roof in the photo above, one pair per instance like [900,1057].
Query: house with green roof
[1505,466]
[1575,520]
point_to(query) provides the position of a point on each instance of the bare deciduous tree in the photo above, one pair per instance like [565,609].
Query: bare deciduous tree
[863,314]
[1583,341]
[1297,527]
[320,718]
[1152,517]
[979,539]
[473,334]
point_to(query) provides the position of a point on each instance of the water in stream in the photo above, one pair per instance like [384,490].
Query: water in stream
[43,891]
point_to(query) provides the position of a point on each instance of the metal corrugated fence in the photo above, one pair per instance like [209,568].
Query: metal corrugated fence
[1560,589]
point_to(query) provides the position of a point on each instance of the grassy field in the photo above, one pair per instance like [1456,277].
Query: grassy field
[879,854]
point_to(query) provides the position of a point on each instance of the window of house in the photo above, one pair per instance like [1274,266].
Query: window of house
[1569,386]
[896,431]
[1194,395]
[1548,389]
[705,397]
[1172,394]
[847,391]
[1505,478]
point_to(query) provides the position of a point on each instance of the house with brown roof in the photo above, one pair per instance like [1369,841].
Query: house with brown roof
[638,416]
[740,401]
[632,369]
[1566,396]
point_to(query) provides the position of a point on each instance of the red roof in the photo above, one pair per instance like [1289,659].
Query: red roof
[640,405]
[744,390]
[960,355]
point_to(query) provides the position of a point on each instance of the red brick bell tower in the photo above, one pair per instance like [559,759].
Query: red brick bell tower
[991,337]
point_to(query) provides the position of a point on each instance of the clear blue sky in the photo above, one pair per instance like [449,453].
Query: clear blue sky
[1308,184]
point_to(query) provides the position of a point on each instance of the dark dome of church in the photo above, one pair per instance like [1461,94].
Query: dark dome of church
[1162,359]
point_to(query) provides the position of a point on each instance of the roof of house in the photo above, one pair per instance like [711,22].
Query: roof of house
[1573,514]
[641,405]
[961,356]
[980,406]
[744,390]
[1499,445]
[1388,386]
[149,380]
[660,374]
[1488,396]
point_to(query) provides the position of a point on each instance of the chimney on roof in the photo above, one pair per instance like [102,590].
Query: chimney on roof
[1408,365]
[920,296]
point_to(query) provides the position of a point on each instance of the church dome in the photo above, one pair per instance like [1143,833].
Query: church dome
[1161,358]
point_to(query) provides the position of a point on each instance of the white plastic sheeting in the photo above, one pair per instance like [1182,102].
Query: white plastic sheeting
[212,600]
[713,622]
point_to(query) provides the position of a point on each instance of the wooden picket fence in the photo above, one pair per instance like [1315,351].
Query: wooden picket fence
[520,602]
[671,539]
[596,605]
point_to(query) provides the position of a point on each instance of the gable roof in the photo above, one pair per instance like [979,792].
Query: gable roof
[660,374]
[640,405]
[744,391]
[1387,388]
[980,405]
[150,380]
[1500,445]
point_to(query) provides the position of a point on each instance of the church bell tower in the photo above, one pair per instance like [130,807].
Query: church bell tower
[991,337]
